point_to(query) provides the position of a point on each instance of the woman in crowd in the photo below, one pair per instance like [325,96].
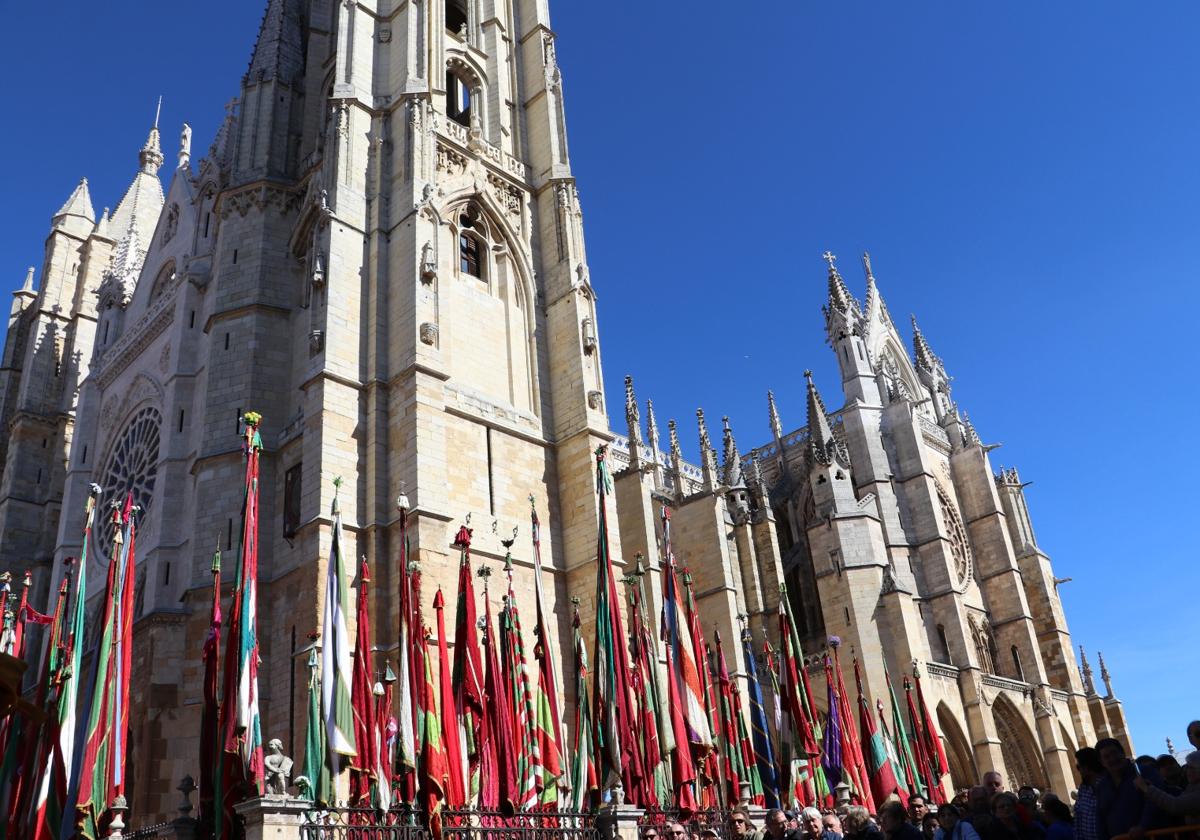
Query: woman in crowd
[1185,804]
[1008,824]
[1057,815]
[953,826]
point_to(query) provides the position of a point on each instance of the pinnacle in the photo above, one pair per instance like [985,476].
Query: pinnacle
[925,358]
[732,467]
[632,417]
[773,414]
[28,287]
[79,203]
[279,50]
[820,435]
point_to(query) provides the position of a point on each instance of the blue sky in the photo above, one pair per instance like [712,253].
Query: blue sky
[1024,175]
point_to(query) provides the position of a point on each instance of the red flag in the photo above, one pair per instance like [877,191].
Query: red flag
[455,791]
[433,756]
[499,702]
[548,719]
[879,766]
[933,744]
[490,771]
[921,753]
[734,758]
[408,650]
[468,671]
[853,751]
[365,761]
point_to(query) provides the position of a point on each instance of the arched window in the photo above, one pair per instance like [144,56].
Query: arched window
[458,97]
[456,15]
[162,281]
[1018,671]
[472,243]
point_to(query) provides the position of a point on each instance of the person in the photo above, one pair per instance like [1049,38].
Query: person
[929,826]
[1121,806]
[1086,825]
[1193,733]
[1058,818]
[1171,772]
[994,783]
[893,819]
[857,825]
[777,826]
[832,824]
[650,832]
[953,826]
[1008,825]
[917,808]
[1185,804]
[741,827]
[979,813]
[1028,795]
[675,831]
[812,827]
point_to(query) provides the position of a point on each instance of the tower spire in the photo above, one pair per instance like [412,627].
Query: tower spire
[279,50]
[732,466]
[150,158]
[1107,677]
[708,455]
[79,203]
[676,457]
[842,314]
[28,287]
[632,419]
[823,446]
[925,358]
[773,414]
[651,431]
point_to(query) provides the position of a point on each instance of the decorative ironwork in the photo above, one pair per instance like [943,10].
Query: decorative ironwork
[132,466]
[163,829]
[345,823]
[696,823]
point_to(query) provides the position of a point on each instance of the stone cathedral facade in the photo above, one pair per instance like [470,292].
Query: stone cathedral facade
[382,252]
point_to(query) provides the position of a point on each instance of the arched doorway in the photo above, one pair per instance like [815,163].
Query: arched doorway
[958,752]
[1018,746]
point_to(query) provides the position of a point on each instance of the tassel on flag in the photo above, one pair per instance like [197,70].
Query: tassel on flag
[764,754]
[453,786]
[548,720]
[617,753]
[364,765]
[584,780]
[879,766]
[210,730]
[468,672]
[337,667]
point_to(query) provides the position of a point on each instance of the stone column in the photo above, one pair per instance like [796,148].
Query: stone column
[270,818]
[616,822]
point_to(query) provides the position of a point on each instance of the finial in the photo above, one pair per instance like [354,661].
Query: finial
[633,420]
[866,260]
[708,457]
[1104,675]
[1170,747]
[773,415]
[925,358]
[158,111]
[652,431]
[732,466]
[830,258]
[28,286]
[1085,669]
[676,452]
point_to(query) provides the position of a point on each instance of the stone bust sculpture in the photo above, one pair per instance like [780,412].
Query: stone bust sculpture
[279,769]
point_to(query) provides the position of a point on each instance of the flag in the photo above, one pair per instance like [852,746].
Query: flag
[735,768]
[337,667]
[924,767]
[468,671]
[210,731]
[583,765]
[908,762]
[548,720]
[709,759]
[797,740]
[689,721]
[453,785]
[902,780]
[364,764]
[242,771]
[62,673]
[519,697]
[101,773]
[764,755]
[497,765]
[938,766]
[617,754]
[655,719]
[386,729]
[879,767]
[433,767]
[832,759]
[409,636]
[745,747]
[15,730]
[319,786]
[853,750]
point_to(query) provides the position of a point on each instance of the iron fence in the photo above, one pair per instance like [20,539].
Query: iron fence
[345,823]
[696,824]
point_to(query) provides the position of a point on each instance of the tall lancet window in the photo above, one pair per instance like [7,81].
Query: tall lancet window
[458,98]
[472,243]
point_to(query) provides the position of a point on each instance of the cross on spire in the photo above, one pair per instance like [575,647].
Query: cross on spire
[830,258]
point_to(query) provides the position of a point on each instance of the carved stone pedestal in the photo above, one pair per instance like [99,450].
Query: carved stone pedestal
[619,822]
[271,818]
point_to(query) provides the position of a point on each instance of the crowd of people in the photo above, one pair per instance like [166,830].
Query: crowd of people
[1118,796]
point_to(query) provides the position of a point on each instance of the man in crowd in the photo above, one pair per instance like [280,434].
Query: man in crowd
[812,826]
[994,783]
[979,811]
[832,824]
[1087,826]
[1122,808]
[777,826]
[917,809]
[1193,733]
[893,819]
[740,826]
[1187,803]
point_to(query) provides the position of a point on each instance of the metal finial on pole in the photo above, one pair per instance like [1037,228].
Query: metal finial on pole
[158,111]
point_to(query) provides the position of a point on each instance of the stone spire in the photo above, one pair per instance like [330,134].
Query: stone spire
[823,446]
[925,358]
[142,203]
[651,431]
[102,226]
[279,50]
[1085,667]
[758,482]
[151,157]
[79,203]
[1107,677]
[676,457]
[969,436]
[842,313]
[633,419]
[773,414]
[27,288]
[732,465]
[708,455]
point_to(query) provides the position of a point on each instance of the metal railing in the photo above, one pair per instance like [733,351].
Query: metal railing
[1182,832]
[695,823]
[345,823]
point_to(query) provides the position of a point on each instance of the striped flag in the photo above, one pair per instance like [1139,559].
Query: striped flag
[764,754]
[879,766]
[893,755]
[655,718]
[337,666]
[618,757]
[938,765]
[907,761]
[584,781]
[735,768]
[468,671]
[855,765]
[409,634]
[799,744]
[210,730]
[520,698]
[921,757]
[316,768]
[548,720]
[433,769]
[497,765]
[456,796]
[102,771]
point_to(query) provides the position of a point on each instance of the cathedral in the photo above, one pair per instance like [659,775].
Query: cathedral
[382,252]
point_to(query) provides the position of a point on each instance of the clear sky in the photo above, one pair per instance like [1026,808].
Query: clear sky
[1025,176]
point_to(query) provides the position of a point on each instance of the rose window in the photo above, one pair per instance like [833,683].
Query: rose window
[132,467]
[960,547]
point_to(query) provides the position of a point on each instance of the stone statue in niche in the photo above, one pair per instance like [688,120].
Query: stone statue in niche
[428,263]
[279,769]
